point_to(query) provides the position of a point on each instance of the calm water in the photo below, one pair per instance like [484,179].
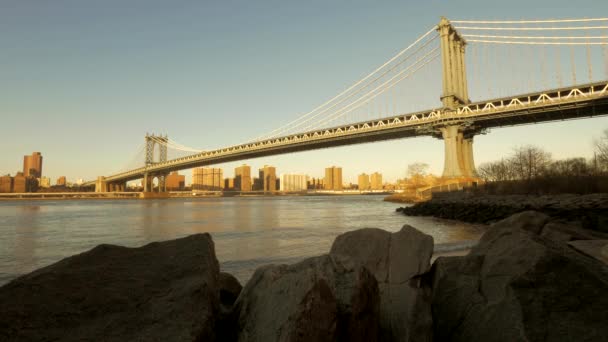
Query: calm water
[248,231]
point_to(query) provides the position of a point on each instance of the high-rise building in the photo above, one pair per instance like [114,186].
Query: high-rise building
[376,181]
[20,183]
[175,182]
[268,178]
[316,184]
[207,178]
[6,184]
[242,178]
[293,182]
[257,184]
[228,183]
[32,165]
[61,181]
[333,178]
[363,181]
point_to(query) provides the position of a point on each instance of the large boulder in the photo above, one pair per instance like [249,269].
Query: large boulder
[397,260]
[163,291]
[516,285]
[323,298]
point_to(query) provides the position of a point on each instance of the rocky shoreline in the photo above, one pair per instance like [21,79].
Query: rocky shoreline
[590,211]
[529,278]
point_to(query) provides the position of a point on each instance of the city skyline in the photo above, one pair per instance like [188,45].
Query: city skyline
[186,85]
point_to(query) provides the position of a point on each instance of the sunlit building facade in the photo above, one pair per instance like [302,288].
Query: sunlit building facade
[333,178]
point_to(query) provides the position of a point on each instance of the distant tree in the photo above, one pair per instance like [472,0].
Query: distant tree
[417,169]
[529,162]
[496,171]
[601,151]
[417,173]
[569,167]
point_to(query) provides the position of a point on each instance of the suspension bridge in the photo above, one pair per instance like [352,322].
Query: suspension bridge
[530,71]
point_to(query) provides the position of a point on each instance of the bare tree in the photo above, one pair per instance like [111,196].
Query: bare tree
[420,169]
[569,167]
[496,171]
[529,162]
[601,151]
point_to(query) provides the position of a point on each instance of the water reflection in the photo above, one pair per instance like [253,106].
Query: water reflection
[247,232]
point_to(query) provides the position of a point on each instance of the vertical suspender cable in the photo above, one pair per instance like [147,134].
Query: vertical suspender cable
[589,66]
[572,65]
[543,66]
[558,66]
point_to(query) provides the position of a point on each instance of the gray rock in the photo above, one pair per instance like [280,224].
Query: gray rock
[323,298]
[592,248]
[230,288]
[518,286]
[568,231]
[397,260]
[163,291]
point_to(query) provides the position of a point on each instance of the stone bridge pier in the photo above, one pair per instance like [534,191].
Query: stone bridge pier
[459,161]
[101,185]
[148,182]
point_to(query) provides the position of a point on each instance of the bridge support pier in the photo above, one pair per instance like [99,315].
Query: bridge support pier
[101,185]
[147,182]
[459,161]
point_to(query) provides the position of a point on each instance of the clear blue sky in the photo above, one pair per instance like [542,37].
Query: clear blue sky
[83,81]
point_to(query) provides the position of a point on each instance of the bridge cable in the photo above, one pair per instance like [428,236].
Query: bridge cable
[360,81]
[530,37]
[573,65]
[558,66]
[292,126]
[381,89]
[486,28]
[522,42]
[380,102]
[589,66]
[527,21]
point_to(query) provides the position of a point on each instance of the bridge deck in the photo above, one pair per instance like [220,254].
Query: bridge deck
[580,101]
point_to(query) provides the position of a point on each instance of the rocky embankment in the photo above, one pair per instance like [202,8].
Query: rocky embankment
[590,210]
[526,280]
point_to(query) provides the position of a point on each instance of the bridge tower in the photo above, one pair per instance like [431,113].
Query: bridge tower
[457,136]
[151,142]
[455,91]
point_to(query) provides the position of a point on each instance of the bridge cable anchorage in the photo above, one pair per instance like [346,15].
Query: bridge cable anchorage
[423,61]
[527,21]
[356,84]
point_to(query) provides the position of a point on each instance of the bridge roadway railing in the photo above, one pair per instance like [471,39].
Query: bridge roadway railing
[519,105]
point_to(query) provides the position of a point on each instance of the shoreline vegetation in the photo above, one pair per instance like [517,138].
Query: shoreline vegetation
[372,285]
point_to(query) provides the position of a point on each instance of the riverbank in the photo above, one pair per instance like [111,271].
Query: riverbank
[591,211]
[371,285]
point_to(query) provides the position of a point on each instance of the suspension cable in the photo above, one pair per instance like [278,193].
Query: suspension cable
[485,28]
[292,126]
[531,37]
[358,82]
[533,43]
[381,90]
[527,21]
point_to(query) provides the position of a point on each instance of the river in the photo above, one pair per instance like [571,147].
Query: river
[248,231]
